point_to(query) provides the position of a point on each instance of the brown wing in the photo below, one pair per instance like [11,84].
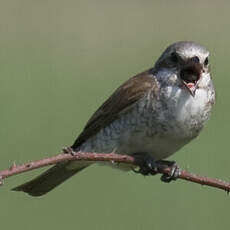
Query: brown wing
[128,93]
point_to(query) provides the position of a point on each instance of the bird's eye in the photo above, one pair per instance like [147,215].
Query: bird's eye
[206,61]
[195,59]
[174,57]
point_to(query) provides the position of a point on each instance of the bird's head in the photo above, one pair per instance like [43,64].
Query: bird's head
[190,62]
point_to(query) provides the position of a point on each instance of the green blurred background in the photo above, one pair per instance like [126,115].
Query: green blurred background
[59,60]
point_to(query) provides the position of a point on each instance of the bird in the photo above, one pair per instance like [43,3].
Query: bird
[150,116]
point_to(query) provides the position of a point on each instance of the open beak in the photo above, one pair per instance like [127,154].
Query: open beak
[190,75]
[191,87]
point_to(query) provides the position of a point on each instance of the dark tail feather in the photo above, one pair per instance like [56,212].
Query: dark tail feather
[48,180]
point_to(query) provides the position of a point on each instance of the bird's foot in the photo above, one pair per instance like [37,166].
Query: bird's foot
[174,172]
[147,164]
[68,150]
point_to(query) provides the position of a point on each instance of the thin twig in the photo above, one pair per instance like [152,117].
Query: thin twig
[113,158]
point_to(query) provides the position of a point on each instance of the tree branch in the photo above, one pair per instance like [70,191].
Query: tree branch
[113,158]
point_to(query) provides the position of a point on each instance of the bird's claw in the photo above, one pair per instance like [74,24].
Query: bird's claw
[68,150]
[174,173]
[147,165]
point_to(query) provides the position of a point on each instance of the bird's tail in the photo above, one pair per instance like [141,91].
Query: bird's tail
[49,179]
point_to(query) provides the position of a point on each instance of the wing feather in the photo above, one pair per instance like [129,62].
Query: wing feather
[119,102]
